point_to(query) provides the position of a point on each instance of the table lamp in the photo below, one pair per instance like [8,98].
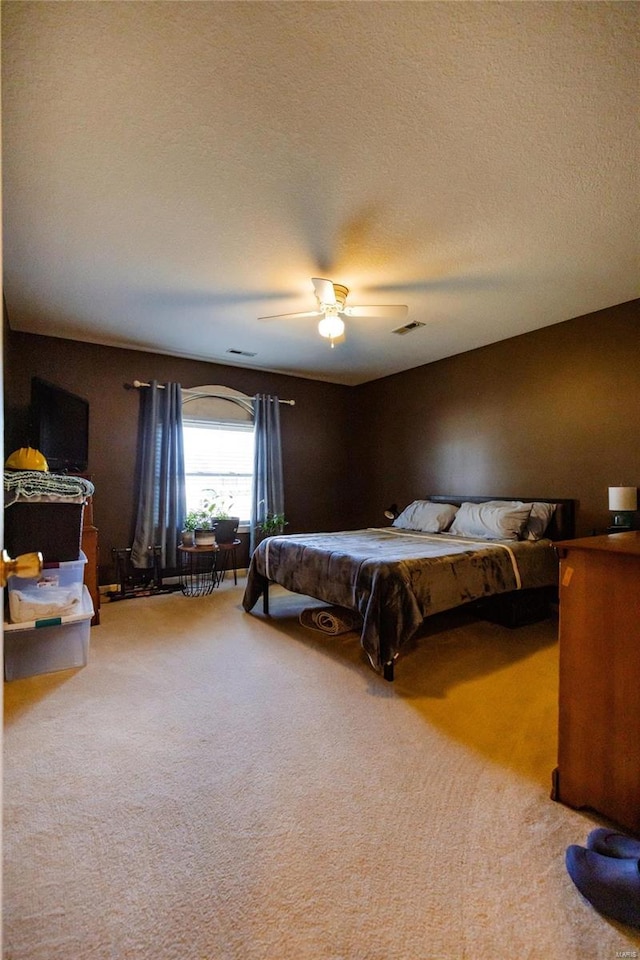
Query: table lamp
[623,503]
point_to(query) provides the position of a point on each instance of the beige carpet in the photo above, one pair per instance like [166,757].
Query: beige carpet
[217,786]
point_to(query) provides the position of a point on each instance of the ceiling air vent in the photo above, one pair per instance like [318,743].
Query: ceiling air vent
[408,327]
[241,353]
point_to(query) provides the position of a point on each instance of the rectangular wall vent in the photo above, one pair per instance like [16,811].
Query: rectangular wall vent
[408,327]
[241,353]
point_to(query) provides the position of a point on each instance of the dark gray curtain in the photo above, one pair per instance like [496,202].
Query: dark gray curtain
[268,485]
[161,496]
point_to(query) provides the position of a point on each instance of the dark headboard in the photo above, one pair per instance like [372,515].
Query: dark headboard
[562,526]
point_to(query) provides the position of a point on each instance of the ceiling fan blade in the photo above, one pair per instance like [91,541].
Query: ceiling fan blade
[397,311]
[295,316]
[324,290]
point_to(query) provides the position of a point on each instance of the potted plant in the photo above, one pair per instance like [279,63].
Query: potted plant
[272,524]
[189,528]
[215,524]
[203,533]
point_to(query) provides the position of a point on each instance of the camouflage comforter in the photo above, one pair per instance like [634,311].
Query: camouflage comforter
[395,578]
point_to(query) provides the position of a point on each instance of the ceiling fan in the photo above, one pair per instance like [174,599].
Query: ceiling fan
[332,307]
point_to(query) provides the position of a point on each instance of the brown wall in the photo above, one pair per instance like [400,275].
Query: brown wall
[553,413]
[313,432]
[550,413]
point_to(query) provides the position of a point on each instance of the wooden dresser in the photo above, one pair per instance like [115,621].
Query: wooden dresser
[89,544]
[599,708]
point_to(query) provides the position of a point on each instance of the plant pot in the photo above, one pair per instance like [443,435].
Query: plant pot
[187,538]
[205,538]
[225,530]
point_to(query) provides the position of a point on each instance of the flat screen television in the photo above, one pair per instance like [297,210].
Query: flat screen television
[60,427]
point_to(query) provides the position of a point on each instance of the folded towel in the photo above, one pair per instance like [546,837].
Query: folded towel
[36,486]
[331,620]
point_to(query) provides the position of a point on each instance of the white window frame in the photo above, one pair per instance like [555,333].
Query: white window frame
[237,426]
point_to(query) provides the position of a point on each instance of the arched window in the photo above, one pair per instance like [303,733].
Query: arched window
[218,447]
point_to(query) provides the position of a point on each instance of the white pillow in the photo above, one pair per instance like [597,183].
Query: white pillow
[492,520]
[539,520]
[426,516]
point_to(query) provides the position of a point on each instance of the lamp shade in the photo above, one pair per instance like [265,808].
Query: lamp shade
[623,498]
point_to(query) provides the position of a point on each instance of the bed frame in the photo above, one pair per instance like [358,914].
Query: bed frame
[514,608]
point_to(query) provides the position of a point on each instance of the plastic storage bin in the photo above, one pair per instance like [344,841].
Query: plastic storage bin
[57,574]
[44,602]
[55,584]
[44,646]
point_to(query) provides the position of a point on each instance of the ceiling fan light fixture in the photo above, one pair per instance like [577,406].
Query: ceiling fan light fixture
[331,326]
[332,306]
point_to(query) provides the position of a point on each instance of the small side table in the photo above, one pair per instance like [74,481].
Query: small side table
[227,560]
[198,570]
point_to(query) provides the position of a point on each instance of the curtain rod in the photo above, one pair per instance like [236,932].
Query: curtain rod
[137,384]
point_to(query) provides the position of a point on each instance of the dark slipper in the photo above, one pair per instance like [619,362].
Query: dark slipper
[610,884]
[613,844]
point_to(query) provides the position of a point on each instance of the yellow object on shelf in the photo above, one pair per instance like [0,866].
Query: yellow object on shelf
[26,458]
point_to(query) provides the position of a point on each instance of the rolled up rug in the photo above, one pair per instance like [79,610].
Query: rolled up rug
[331,620]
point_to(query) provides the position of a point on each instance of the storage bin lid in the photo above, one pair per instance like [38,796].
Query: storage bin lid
[65,564]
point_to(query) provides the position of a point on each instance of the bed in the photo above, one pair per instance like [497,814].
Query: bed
[430,560]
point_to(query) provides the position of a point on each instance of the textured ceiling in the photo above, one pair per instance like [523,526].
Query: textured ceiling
[173,171]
